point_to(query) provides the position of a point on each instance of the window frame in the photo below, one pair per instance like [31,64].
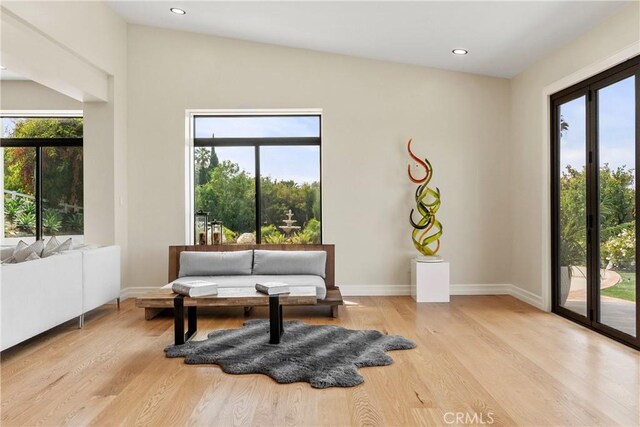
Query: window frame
[256,143]
[39,144]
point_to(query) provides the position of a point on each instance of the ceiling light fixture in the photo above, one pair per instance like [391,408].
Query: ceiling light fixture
[460,51]
[178,11]
[2,68]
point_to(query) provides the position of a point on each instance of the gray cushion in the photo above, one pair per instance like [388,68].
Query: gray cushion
[64,246]
[32,257]
[6,252]
[215,263]
[290,262]
[10,260]
[50,247]
[23,250]
[54,247]
[250,281]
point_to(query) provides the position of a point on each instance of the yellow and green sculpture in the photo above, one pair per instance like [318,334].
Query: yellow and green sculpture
[427,230]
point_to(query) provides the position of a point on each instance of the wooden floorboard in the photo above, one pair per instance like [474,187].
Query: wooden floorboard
[492,357]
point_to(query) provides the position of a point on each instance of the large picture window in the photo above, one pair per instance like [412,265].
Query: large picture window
[259,175]
[43,185]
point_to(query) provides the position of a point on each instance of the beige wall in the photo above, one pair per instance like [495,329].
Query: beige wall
[370,110]
[528,141]
[28,95]
[484,136]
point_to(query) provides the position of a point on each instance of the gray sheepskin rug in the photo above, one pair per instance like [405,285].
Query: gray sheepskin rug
[322,355]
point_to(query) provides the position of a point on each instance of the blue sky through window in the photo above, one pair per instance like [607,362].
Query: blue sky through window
[572,143]
[257,127]
[616,122]
[301,164]
[8,125]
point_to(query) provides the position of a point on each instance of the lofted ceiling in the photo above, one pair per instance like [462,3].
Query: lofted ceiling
[503,37]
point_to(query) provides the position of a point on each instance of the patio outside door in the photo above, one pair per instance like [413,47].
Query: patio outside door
[595,137]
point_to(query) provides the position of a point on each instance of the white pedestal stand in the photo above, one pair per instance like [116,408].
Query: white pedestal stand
[429,281]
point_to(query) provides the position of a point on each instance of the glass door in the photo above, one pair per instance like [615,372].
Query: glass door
[615,112]
[595,137]
[572,226]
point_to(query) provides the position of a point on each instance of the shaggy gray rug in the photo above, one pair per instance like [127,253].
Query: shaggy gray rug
[322,355]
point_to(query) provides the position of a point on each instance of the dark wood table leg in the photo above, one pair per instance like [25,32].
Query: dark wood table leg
[192,322]
[275,319]
[178,321]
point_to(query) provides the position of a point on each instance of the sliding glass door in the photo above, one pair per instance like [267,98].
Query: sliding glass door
[573,231]
[595,140]
[616,138]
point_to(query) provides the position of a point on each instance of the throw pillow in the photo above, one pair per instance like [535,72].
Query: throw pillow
[20,247]
[32,256]
[64,246]
[21,252]
[50,247]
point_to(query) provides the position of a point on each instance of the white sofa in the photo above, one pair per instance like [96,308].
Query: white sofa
[38,295]
[100,277]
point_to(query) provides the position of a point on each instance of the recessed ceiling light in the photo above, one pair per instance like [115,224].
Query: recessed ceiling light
[2,68]
[459,51]
[178,11]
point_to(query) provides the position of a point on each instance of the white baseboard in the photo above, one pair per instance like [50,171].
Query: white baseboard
[466,289]
[500,289]
[389,290]
[374,290]
[491,289]
[393,290]
[133,292]
[528,297]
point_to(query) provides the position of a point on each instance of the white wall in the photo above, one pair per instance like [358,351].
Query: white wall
[90,35]
[529,150]
[370,110]
[28,95]
[89,28]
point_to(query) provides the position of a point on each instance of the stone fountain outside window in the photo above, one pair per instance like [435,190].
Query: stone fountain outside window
[289,227]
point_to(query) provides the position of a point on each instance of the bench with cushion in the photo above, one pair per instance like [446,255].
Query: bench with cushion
[234,266]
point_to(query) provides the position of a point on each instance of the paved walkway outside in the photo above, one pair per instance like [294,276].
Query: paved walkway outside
[615,312]
[608,278]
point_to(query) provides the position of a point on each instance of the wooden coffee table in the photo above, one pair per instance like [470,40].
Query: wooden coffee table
[228,297]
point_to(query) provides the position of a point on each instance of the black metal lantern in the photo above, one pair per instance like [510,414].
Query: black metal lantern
[216,232]
[201,222]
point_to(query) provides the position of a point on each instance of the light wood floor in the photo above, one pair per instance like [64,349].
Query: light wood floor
[489,356]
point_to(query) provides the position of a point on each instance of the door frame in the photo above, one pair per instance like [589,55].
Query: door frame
[589,88]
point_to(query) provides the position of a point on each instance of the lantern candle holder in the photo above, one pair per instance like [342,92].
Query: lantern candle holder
[201,228]
[216,232]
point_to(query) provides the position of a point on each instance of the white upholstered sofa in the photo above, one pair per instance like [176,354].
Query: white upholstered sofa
[38,295]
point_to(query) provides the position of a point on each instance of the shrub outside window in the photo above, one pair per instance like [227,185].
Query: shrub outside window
[43,178]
